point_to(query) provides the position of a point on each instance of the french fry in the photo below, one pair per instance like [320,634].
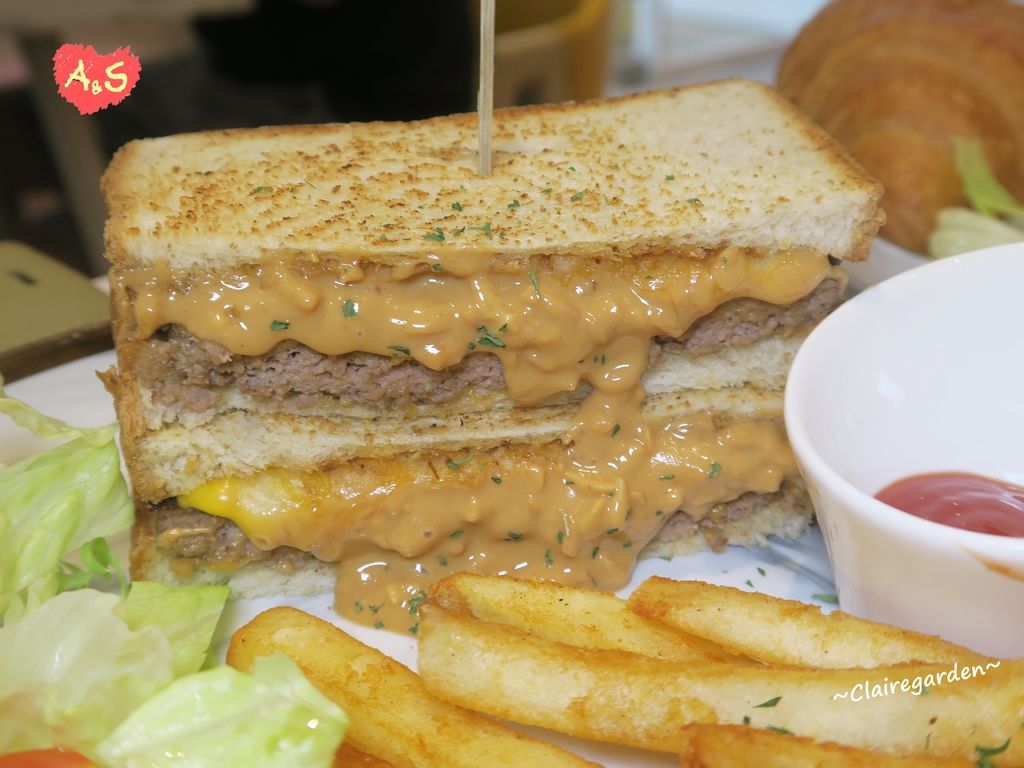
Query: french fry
[348,756]
[393,718]
[779,631]
[635,700]
[731,746]
[582,617]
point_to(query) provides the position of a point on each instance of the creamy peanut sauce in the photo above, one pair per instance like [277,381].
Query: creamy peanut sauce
[549,325]
[577,511]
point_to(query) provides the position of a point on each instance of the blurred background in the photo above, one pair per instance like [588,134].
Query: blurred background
[235,63]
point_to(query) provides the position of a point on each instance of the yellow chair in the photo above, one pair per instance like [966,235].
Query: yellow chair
[549,50]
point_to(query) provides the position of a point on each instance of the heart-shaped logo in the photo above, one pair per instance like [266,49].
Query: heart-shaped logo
[93,81]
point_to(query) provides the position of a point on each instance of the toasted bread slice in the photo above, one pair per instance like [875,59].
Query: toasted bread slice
[688,169]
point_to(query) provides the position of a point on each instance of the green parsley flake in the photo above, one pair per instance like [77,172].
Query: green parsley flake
[595,552]
[488,339]
[546,190]
[548,559]
[496,479]
[349,309]
[670,177]
[359,607]
[749,583]
[457,206]
[779,730]
[985,754]
[514,204]
[667,477]
[769,703]
[442,560]
[415,628]
[746,720]
[279,325]
[437,267]
[627,545]
[615,429]
[830,599]
[610,531]
[456,463]
[716,470]
[513,536]
[261,190]
[761,571]
[399,349]
[535,282]
[503,329]
[456,534]
[694,201]
[375,608]
[437,235]
[572,169]
[378,625]
[560,536]
[415,600]
[486,229]
[578,196]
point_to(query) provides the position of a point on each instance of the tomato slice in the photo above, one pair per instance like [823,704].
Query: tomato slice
[46,758]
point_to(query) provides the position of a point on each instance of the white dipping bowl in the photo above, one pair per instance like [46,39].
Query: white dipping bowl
[922,373]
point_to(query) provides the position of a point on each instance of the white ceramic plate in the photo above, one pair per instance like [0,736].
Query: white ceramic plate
[796,570]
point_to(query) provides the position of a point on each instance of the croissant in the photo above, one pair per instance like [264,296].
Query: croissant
[896,80]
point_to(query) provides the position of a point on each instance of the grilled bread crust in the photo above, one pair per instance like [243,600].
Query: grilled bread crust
[722,163]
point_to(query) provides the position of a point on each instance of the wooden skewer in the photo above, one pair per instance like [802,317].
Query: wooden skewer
[485,96]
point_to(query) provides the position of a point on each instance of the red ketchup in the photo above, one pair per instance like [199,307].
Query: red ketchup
[960,500]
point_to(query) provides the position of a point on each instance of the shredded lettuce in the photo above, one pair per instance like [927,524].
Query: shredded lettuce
[959,230]
[53,503]
[223,718]
[981,186]
[98,562]
[118,676]
[80,663]
[71,670]
[187,616]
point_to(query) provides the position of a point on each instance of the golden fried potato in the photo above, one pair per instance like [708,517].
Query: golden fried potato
[625,698]
[731,746]
[779,631]
[393,717]
[582,617]
[348,756]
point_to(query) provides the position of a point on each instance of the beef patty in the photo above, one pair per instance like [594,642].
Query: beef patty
[185,374]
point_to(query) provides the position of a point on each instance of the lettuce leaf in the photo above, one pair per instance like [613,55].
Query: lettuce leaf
[223,718]
[959,230]
[187,616]
[71,670]
[981,186]
[74,668]
[54,502]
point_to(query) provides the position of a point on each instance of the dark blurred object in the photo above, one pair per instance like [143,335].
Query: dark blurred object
[549,50]
[49,314]
[400,60]
[32,208]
